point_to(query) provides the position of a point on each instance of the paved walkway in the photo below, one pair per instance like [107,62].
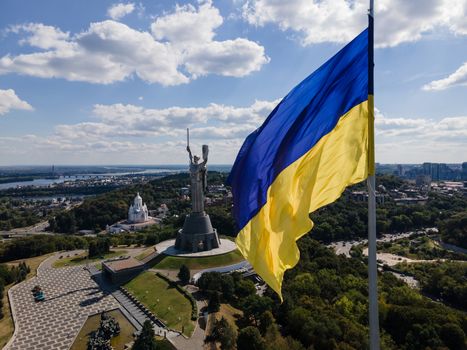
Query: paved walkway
[196,341]
[71,296]
[48,263]
[243,266]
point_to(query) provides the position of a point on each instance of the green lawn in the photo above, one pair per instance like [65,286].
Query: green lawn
[92,324]
[164,301]
[173,263]
[82,258]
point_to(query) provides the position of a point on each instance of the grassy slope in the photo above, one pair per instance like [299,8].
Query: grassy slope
[174,263]
[164,301]
[145,253]
[230,313]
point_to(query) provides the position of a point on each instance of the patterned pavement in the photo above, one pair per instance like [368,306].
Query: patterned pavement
[71,296]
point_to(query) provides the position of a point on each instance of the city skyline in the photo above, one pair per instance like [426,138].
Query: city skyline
[118,83]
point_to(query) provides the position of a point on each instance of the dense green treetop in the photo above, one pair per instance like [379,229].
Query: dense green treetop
[454,229]
[145,340]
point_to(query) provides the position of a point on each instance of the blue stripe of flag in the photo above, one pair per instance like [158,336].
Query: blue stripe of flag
[309,112]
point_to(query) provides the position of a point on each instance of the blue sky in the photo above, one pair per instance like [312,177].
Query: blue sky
[104,82]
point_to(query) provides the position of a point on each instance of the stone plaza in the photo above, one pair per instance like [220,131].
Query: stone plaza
[71,296]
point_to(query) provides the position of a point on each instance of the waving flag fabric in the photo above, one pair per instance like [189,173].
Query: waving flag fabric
[311,146]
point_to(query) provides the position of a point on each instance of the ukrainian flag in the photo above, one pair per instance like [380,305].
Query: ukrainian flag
[315,143]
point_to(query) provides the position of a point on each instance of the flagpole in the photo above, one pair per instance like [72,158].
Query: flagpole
[372,266]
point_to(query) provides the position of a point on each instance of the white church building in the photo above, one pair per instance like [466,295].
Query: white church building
[138,218]
[138,212]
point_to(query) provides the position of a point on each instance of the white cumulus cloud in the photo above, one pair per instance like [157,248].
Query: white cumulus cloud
[42,36]
[396,21]
[9,100]
[119,133]
[110,51]
[118,11]
[127,134]
[118,119]
[188,24]
[421,130]
[202,53]
[458,78]
[234,58]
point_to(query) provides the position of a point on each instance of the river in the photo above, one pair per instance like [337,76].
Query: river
[47,182]
[162,170]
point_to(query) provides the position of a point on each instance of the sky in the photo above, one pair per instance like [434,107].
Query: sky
[103,82]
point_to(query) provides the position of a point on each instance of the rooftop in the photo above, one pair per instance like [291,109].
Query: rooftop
[122,264]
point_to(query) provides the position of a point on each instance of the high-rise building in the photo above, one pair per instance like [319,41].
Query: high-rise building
[423,181]
[400,170]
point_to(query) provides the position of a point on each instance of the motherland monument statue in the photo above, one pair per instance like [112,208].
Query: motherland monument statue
[197,233]
[198,176]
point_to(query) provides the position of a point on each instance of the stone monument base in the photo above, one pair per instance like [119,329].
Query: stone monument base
[168,248]
[197,234]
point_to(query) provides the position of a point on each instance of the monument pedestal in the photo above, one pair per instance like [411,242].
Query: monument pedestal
[197,234]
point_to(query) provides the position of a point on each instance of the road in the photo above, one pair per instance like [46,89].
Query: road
[38,228]
[452,247]
[28,231]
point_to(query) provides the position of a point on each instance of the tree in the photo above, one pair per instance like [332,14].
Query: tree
[228,287]
[214,302]
[275,341]
[249,338]
[400,223]
[454,229]
[210,281]
[2,288]
[453,336]
[224,334]
[245,288]
[254,306]
[184,274]
[423,337]
[99,247]
[222,220]
[266,320]
[145,340]
[92,249]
